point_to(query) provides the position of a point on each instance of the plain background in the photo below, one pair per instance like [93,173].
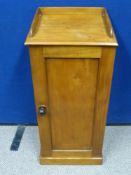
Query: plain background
[16,91]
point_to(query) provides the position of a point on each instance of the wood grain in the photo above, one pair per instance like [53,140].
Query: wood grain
[72,89]
[35,24]
[71,161]
[107,23]
[106,65]
[71,26]
[72,52]
[41,97]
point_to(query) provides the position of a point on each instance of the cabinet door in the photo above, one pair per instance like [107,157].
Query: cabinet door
[74,87]
[71,94]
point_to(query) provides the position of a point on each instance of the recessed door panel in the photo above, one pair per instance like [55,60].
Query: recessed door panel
[71,91]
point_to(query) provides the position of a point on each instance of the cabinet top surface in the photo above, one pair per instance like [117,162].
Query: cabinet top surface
[71,26]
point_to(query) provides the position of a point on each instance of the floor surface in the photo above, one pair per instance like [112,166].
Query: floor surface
[116,151]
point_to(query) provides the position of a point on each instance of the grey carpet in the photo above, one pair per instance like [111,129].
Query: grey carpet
[117,154]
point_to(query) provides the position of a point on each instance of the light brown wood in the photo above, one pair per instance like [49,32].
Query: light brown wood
[35,24]
[106,65]
[72,76]
[67,77]
[41,97]
[107,23]
[71,26]
[71,160]
[72,52]
[72,153]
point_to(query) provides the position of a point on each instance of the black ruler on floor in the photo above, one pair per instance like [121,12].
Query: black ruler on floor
[17,138]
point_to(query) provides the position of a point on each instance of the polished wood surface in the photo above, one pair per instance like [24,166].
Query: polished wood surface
[41,97]
[106,65]
[71,92]
[72,52]
[71,26]
[73,83]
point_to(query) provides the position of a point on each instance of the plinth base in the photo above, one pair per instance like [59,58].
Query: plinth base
[71,160]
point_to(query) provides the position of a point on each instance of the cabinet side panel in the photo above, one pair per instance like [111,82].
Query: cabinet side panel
[72,90]
[106,65]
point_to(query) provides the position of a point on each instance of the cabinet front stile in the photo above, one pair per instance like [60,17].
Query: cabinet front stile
[38,67]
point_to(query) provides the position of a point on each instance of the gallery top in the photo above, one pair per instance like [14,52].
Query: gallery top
[71,26]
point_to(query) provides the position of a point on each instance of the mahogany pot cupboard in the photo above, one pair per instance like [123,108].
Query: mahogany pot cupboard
[72,53]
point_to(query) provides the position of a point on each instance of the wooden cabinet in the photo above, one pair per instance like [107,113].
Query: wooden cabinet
[72,53]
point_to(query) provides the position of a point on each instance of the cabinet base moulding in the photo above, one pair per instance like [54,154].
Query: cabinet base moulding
[71,161]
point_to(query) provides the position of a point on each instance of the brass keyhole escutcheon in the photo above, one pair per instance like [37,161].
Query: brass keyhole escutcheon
[42,110]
